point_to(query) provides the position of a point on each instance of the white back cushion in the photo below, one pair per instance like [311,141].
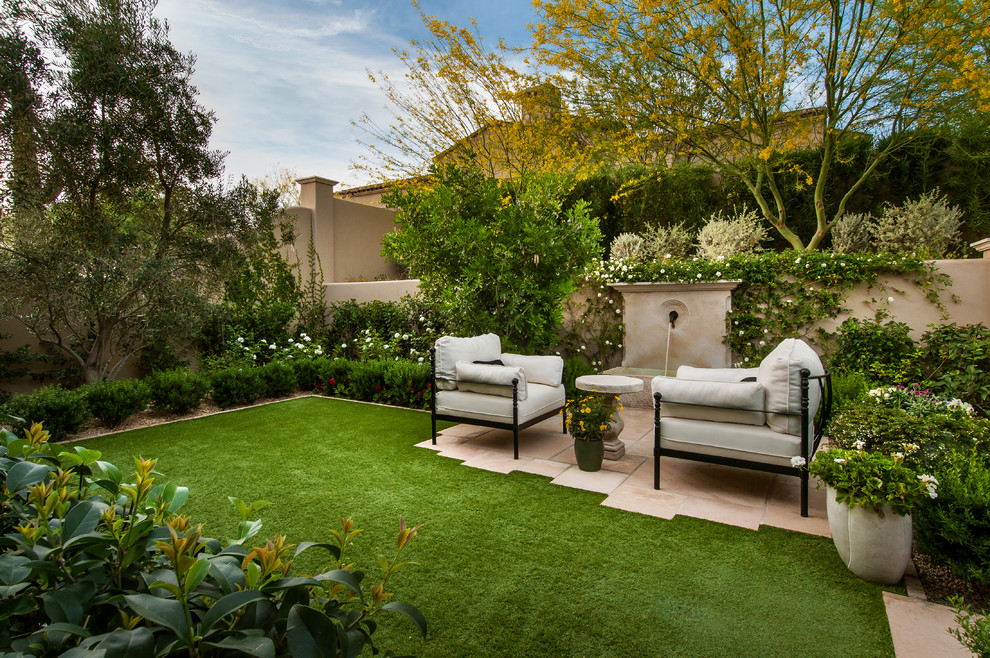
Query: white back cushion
[724,402]
[547,370]
[780,375]
[491,379]
[451,349]
[716,374]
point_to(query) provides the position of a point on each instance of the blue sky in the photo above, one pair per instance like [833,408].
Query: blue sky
[286,79]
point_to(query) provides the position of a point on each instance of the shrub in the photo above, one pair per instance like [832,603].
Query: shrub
[494,255]
[365,380]
[852,233]
[279,378]
[662,242]
[871,479]
[108,565]
[847,387]
[974,629]
[721,238]
[236,386]
[64,410]
[927,226]
[955,527]
[408,384]
[954,361]
[922,437]
[177,391]
[628,246]
[114,402]
[872,347]
[310,373]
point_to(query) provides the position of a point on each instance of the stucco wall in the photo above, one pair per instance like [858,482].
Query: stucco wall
[366,291]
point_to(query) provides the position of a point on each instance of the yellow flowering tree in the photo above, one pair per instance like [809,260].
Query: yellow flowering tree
[463,103]
[741,84]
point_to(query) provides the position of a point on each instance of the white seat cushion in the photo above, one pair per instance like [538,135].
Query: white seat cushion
[451,349]
[724,401]
[465,404]
[780,375]
[748,442]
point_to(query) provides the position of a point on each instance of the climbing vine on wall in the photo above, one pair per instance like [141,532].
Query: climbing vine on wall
[785,294]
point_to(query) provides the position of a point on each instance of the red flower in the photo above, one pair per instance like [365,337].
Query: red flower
[377,387]
[332,382]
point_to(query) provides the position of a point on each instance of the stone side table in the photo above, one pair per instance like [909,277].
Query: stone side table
[610,386]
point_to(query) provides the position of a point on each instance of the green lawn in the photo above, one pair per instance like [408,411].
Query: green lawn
[511,565]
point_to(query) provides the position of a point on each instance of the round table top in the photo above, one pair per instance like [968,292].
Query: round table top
[609,384]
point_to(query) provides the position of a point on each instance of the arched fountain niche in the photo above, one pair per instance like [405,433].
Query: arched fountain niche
[673,324]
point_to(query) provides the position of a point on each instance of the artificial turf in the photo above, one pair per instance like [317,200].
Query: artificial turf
[511,565]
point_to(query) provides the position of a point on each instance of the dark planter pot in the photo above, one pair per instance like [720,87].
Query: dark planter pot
[589,454]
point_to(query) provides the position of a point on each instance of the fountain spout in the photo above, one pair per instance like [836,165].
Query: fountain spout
[672,317]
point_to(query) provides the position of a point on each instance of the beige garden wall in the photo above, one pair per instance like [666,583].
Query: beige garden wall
[697,339]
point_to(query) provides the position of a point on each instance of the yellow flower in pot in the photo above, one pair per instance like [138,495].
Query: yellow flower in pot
[588,418]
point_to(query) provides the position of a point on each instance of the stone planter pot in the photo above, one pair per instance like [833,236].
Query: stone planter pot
[874,547]
[589,454]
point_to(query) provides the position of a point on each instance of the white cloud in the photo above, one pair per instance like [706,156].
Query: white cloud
[287,79]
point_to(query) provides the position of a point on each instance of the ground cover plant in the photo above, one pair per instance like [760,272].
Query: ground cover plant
[94,562]
[510,564]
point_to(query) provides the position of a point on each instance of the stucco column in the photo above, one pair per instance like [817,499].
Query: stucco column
[316,194]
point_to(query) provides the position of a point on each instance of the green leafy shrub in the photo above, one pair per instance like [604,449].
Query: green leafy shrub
[177,391]
[64,410]
[740,234]
[236,386]
[955,527]
[279,378]
[974,629]
[954,361]
[847,387]
[870,479]
[921,436]
[310,373]
[495,255]
[365,380]
[871,346]
[408,384]
[108,565]
[114,402]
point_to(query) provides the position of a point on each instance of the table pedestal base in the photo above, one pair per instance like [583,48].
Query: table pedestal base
[614,448]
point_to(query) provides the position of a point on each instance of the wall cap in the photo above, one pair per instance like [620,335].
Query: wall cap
[316,179]
[673,286]
[982,245]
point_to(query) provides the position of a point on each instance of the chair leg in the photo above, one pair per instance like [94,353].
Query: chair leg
[433,420]
[804,493]
[515,442]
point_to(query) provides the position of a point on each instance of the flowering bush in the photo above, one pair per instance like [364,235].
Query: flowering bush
[588,417]
[871,479]
[917,401]
[910,423]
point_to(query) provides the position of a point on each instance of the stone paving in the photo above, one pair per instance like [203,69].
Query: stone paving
[723,494]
